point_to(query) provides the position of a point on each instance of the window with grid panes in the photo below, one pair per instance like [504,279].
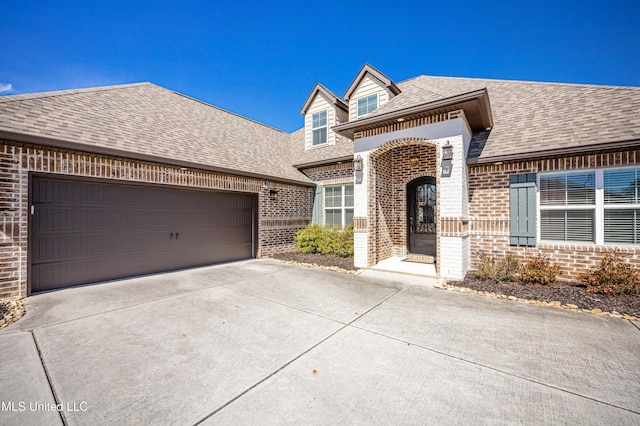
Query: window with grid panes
[621,201]
[338,205]
[367,104]
[567,206]
[319,127]
[600,206]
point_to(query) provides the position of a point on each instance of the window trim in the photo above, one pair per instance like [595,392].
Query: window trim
[343,208]
[599,206]
[358,115]
[326,127]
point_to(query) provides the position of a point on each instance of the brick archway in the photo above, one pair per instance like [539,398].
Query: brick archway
[392,166]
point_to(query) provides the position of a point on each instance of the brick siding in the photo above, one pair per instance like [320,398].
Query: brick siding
[331,174]
[392,167]
[416,122]
[279,218]
[489,212]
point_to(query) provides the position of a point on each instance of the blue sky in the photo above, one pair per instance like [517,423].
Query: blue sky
[261,59]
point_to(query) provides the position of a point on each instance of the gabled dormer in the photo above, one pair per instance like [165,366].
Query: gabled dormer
[322,110]
[370,90]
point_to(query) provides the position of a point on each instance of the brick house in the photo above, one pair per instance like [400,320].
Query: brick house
[109,182]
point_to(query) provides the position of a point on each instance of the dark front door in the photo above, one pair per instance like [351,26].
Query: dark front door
[87,231]
[421,204]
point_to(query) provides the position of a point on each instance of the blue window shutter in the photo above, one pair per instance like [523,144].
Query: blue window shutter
[316,217]
[522,209]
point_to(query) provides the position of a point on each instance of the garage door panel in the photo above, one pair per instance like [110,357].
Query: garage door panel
[85,231]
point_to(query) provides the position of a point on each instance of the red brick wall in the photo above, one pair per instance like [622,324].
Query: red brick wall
[489,212]
[393,166]
[279,218]
[330,174]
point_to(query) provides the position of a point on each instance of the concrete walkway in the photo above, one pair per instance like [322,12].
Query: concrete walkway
[260,342]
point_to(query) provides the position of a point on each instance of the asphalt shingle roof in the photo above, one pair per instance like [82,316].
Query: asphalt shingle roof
[531,116]
[342,148]
[146,119]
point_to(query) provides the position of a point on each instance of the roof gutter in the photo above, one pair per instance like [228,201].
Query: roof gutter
[402,113]
[323,162]
[111,152]
[592,148]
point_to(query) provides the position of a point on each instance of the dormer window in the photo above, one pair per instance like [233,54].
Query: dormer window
[367,104]
[319,127]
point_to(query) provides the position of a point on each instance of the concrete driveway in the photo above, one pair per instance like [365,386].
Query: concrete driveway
[260,342]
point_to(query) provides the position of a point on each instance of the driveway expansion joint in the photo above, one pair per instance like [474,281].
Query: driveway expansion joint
[488,367]
[135,305]
[49,381]
[297,357]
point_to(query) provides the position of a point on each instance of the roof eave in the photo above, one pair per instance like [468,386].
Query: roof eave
[324,162]
[319,88]
[612,146]
[368,68]
[62,144]
[481,96]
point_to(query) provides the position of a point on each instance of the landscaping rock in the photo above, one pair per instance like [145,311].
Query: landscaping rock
[571,296]
[11,310]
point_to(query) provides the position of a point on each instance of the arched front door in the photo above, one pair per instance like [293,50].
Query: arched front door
[421,216]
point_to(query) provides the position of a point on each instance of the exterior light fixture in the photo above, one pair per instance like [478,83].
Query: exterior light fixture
[273,194]
[414,160]
[447,151]
[357,164]
[400,120]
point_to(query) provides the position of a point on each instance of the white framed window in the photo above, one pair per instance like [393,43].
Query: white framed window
[338,205]
[621,200]
[597,206]
[367,104]
[319,127]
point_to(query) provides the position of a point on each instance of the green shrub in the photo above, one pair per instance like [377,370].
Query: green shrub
[539,270]
[504,269]
[308,240]
[327,241]
[324,240]
[343,242]
[612,276]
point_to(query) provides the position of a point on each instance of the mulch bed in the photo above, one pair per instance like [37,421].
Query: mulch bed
[565,293]
[323,260]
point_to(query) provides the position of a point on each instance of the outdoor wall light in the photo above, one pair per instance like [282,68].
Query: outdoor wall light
[273,194]
[414,160]
[357,164]
[447,151]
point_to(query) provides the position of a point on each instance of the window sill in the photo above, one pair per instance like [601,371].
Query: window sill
[546,244]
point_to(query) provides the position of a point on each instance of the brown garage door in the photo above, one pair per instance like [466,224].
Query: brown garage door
[88,231]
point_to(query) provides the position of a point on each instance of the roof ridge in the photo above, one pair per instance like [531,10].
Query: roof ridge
[503,80]
[67,92]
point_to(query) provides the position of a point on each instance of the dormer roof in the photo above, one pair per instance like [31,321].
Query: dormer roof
[367,68]
[335,99]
